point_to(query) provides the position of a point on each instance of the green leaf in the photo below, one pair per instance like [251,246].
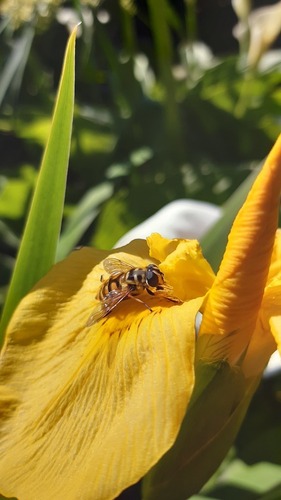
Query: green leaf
[115,220]
[15,193]
[258,478]
[214,242]
[39,243]
[81,218]
[239,480]
[12,73]
[159,13]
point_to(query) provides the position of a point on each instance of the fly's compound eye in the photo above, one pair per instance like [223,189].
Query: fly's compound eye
[152,277]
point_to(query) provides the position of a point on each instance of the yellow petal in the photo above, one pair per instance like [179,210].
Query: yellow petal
[275,324]
[235,299]
[271,305]
[267,332]
[270,312]
[87,411]
[275,265]
[183,265]
[272,300]
[259,350]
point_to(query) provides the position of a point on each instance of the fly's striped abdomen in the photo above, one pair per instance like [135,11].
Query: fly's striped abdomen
[115,282]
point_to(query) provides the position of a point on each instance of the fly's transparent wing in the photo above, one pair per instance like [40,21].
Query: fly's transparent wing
[116,266]
[98,313]
[105,306]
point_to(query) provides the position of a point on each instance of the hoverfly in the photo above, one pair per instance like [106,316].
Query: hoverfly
[126,282]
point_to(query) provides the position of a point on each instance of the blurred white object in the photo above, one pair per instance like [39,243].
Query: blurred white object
[179,219]
[72,18]
[264,25]
[274,365]
[241,8]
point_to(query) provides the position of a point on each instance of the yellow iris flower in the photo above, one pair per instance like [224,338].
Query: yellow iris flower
[87,411]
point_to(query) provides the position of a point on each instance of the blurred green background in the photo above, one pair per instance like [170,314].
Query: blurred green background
[169,104]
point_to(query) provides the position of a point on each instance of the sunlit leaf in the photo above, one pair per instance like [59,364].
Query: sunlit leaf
[114,221]
[14,195]
[39,242]
[239,480]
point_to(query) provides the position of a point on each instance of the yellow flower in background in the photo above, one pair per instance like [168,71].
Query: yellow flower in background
[87,411]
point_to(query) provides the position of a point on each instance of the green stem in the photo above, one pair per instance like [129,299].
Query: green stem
[158,10]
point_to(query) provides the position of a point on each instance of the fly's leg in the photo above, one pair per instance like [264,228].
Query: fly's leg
[141,301]
[168,297]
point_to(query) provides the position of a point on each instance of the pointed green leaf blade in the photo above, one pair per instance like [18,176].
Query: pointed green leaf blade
[39,243]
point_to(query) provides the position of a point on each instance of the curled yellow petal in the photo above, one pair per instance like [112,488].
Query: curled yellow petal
[270,316]
[267,330]
[193,276]
[275,324]
[85,412]
[235,298]
[275,265]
